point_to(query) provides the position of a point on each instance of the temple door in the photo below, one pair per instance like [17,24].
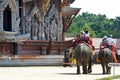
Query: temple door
[7,19]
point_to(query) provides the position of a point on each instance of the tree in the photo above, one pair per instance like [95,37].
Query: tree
[98,25]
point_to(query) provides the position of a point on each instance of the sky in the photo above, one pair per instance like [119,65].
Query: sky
[111,8]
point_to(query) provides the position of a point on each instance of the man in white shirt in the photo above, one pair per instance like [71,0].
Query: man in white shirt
[110,40]
[87,34]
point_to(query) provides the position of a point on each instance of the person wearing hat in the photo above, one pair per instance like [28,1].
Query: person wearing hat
[82,36]
[103,44]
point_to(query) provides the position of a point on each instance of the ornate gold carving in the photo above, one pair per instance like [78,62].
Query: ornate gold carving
[45,6]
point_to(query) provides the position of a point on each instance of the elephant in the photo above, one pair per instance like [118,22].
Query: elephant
[106,57]
[83,54]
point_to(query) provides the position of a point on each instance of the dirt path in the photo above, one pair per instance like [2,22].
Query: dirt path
[51,73]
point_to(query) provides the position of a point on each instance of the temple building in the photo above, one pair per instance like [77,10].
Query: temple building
[38,22]
[35,19]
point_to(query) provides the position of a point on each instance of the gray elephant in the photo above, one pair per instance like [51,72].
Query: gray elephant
[105,56]
[83,57]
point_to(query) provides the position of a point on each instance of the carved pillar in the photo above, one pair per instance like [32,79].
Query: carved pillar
[22,16]
[13,21]
[60,36]
[42,28]
[1,20]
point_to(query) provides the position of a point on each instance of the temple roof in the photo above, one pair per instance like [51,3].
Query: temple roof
[68,14]
[68,11]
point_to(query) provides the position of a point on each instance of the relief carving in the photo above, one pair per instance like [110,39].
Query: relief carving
[39,18]
[53,22]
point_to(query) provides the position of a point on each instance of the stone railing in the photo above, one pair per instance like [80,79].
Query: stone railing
[6,36]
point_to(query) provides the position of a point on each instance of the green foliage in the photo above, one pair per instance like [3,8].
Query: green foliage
[98,25]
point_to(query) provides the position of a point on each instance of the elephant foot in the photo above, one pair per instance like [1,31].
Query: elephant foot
[78,72]
[84,72]
[108,72]
[89,70]
[104,72]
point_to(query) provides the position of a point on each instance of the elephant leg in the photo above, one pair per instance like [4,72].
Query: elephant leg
[85,71]
[78,66]
[90,65]
[78,69]
[108,69]
[103,67]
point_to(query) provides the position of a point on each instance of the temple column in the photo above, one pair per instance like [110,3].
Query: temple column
[1,20]
[1,25]
[61,33]
[22,17]
[13,21]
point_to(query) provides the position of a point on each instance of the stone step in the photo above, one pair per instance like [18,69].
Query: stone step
[27,60]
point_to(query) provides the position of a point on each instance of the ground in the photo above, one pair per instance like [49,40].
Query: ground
[51,73]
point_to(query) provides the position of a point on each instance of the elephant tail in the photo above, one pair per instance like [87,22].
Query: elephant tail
[104,55]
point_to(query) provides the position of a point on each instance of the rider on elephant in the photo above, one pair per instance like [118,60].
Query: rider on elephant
[80,37]
[111,46]
[84,37]
[107,42]
[103,44]
[89,41]
[77,40]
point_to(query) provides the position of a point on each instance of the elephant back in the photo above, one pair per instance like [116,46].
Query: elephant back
[106,54]
[82,49]
[106,51]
